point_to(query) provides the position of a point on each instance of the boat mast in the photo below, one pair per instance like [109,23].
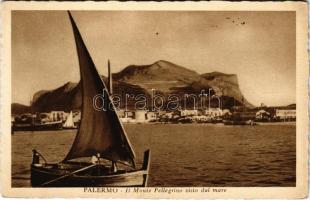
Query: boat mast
[107,136]
[31,110]
[110,84]
[243,105]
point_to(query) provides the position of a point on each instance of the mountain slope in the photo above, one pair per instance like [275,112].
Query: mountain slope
[17,108]
[68,97]
[223,85]
[164,77]
[161,75]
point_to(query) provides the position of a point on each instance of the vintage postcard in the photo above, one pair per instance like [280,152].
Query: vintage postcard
[154,100]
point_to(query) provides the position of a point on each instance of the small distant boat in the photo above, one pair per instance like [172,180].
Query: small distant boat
[100,136]
[22,127]
[48,126]
[69,124]
[185,120]
[37,126]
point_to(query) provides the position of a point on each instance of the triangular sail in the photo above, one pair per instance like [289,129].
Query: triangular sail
[69,122]
[100,131]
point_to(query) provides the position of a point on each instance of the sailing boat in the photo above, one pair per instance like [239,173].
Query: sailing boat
[100,137]
[69,124]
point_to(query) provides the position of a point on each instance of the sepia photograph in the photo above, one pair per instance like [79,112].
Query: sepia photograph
[162,99]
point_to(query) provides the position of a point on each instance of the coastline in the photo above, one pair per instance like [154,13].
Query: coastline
[277,123]
[292,123]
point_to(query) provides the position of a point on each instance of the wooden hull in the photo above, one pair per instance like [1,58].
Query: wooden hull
[43,173]
[40,175]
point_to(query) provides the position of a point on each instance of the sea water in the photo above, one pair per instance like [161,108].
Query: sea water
[185,154]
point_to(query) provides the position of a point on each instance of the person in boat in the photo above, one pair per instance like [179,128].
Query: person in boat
[35,157]
[95,159]
[93,174]
[114,167]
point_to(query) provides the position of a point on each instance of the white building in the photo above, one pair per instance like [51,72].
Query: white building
[46,117]
[184,113]
[213,112]
[285,114]
[58,115]
[121,113]
[262,114]
[151,116]
[140,115]
[125,116]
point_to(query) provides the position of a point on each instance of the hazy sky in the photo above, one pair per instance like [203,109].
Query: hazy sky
[257,46]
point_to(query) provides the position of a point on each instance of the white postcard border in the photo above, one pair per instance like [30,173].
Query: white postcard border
[302,72]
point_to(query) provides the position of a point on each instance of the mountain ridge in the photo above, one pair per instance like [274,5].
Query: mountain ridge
[165,77]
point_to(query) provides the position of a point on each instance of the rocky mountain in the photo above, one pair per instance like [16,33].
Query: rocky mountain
[163,76]
[64,98]
[17,108]
[68,97]
[225,85]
